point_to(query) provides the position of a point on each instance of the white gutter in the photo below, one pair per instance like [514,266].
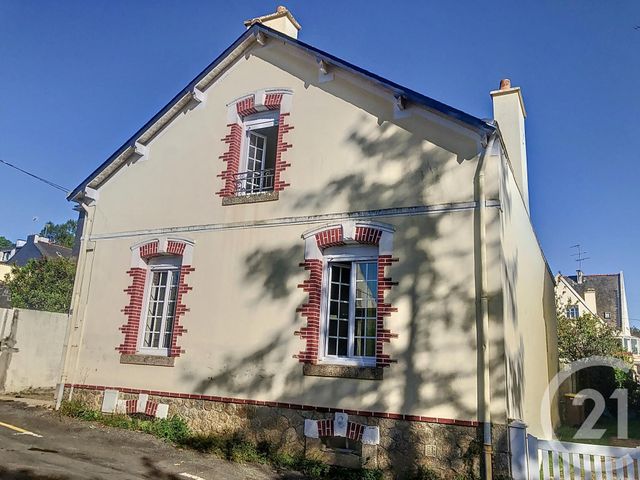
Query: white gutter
[483,321]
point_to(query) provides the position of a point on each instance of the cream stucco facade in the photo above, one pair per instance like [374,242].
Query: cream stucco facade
[354,156]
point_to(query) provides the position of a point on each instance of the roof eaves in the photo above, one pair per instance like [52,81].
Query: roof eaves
[204,78]
[201,80]
[409,94]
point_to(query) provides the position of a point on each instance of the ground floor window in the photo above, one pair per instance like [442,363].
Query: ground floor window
[162,293]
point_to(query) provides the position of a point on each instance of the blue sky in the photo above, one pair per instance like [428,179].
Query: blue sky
[78,78]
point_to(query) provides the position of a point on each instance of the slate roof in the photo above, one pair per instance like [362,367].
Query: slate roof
[475,123]
[38,250]
[607,288]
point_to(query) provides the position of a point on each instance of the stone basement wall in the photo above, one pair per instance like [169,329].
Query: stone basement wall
[453,451]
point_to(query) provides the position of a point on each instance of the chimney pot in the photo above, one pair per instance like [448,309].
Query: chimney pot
[505,84]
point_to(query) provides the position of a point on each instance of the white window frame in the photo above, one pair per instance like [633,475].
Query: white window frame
[157,264]
[255,122]
[323,357]
[575,309]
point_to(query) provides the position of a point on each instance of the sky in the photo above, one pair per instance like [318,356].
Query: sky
[77,78]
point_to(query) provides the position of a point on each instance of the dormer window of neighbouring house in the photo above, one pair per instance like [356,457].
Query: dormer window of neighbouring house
[258,159]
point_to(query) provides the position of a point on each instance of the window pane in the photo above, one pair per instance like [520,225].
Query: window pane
[161,308]
[344,292]
[366,309]
[338,328]
[358,347]
[370,350]
[371,328]
[331,346]
[342,347]
[343,330]
[333,328]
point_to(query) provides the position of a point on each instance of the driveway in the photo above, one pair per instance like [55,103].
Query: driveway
[36,443]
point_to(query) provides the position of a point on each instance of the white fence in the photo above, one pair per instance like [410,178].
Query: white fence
[533,459]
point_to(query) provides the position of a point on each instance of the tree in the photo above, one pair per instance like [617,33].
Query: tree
[61,234]
[586,336]
[42,284]
[5,243]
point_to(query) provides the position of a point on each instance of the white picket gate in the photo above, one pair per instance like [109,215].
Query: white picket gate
[533,459]
[578,461]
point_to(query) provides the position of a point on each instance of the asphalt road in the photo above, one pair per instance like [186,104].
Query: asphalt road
[69,449]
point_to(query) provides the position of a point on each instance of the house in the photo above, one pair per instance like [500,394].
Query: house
[305,253]
[35,247]
[603,296]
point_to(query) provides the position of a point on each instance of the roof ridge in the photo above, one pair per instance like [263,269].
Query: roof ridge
[471,121]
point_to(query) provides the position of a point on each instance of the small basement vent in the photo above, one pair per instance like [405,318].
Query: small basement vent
[430,450]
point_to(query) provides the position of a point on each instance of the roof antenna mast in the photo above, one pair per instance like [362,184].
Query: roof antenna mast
[580,255]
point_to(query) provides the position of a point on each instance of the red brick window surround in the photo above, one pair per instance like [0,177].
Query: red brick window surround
[143,256]
[254,162]
[328,251]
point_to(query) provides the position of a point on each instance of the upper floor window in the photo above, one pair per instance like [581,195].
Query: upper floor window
[351,310]
[607,315]
[160,305]
[257,168]
[573,311]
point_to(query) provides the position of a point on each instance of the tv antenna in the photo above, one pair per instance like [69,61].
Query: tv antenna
[580,255]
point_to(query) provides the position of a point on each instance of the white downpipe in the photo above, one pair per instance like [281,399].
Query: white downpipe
[77,294]
[484,312]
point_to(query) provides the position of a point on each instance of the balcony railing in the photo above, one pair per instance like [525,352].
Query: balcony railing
[254,182]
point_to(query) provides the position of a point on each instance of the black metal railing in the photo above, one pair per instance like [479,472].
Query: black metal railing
[254,182]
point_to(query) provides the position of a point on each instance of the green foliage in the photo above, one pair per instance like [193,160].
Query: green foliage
[61,234]
[77,409]
[42,284]
[584,337]
[172,429]
[424,473]
[5,243]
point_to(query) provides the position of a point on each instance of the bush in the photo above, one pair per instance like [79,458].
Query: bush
[424,473]
[77,409]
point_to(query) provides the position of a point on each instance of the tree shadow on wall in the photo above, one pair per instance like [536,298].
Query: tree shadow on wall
[437,304]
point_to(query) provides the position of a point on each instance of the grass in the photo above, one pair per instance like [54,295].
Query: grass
[610,437]
[234,448]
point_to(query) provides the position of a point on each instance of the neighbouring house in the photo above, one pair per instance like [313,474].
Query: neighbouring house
[35,247]
[305,253]
[603,296]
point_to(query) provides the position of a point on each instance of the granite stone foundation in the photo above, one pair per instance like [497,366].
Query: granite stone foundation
[452,451]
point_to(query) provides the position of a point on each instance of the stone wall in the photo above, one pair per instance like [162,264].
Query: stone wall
[453,451]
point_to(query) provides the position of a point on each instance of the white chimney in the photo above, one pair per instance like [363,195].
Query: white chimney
[624,309]
[508,110]
[579,276]
[281,20]
[590,300]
